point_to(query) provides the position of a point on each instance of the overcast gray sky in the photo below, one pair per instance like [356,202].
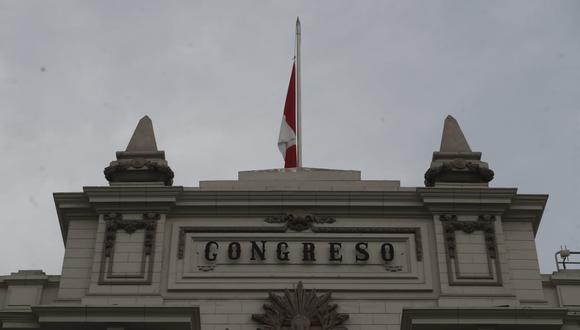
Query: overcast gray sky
[379,77]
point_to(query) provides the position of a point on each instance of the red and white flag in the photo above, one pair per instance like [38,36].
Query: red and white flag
[290,139]
[287,138]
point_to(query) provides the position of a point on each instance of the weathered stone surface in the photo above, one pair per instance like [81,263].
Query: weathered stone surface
[143,138]
[452,139]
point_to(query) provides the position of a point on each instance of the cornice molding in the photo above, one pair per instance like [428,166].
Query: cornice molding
[178,201]
[551,318]
[466,200]
[331,203]
[69,205]
[69,315]
[49,281]
[527,208]
[127,199]
[22,316]
[561,278]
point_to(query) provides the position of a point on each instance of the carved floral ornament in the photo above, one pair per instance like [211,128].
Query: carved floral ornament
[299,221]
[482,172]
[300,309]
[163,170]
[115,222]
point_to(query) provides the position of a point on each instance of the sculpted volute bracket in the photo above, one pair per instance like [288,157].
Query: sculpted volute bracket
[300,309]
[299,221]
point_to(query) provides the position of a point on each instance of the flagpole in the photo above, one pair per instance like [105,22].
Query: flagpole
[298,95]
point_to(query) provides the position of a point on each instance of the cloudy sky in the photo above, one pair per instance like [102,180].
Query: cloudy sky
[379,77]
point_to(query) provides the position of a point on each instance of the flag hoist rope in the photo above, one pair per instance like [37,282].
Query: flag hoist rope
[298,95]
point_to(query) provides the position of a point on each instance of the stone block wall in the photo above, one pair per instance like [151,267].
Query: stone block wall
[523,262]
[78,259]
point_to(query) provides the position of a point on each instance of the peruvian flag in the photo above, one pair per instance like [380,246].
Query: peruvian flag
[287,138]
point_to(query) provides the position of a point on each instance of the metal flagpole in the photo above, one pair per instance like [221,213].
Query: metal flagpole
[298,95]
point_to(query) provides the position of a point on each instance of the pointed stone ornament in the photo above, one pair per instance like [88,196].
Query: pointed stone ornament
[143,138]
[141,162]
[453,139]
[455,164]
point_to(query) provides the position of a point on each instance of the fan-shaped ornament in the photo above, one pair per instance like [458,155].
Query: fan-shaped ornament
[300,310]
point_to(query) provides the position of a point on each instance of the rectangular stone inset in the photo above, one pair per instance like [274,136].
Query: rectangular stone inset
[472,260]
[471,251]
[127,259]
[128,250]
[341,258]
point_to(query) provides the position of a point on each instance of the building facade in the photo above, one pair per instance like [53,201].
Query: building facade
[296,249]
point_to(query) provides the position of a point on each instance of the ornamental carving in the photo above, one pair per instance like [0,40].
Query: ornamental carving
[118,171]
[484,223]
[486,275]
[299,221]
[479,173]
[115,222]
[300,309]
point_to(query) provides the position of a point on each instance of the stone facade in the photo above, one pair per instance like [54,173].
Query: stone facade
[296,249]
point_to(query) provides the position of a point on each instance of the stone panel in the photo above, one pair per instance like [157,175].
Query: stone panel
[190,268]
[523,261]
[21,296]
[78,259]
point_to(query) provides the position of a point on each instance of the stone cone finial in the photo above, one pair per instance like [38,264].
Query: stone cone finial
[455,163]
[141,162]
[452,139]
[143,138]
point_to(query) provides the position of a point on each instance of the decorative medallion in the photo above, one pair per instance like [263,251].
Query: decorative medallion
[299,221]
[300,310]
